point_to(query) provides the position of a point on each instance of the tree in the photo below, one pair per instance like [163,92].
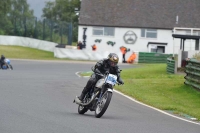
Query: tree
[22,17]
[63,10]
[5,24]
[48,10]
[14,14]
[5,6]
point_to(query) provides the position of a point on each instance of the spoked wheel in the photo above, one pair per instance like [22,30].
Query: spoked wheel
[82,109]
[103,104]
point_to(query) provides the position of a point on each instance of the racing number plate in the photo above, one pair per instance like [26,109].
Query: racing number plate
[111,79]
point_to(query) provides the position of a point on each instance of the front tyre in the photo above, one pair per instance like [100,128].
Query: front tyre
[82,109]
[103,104]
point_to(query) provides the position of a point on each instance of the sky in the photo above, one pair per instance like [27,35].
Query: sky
[37,6]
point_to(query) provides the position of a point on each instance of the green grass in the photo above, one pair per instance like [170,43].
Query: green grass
[74,43]
[153,86]
[19,52]
[89,73]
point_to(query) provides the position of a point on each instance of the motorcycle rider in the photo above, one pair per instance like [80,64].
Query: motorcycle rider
[103,66]
[2,61]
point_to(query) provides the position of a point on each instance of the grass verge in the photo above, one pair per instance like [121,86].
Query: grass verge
[20,52]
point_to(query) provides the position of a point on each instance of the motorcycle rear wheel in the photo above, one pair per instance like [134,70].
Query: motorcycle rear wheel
[11,67]
[82,109]
[103,104]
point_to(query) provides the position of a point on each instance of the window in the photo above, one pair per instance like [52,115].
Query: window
[109,31]
[149,33]
[98,31]
[103,31]
[197,33]
[188,32]
[157,49]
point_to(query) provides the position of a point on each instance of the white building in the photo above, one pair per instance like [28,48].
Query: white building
[141,25]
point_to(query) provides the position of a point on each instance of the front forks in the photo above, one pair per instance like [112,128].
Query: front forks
[100,97]
[102,92]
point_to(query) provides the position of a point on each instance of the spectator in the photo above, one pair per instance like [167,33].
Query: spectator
[124,50]
[132,58]
[79,45]
[94,47]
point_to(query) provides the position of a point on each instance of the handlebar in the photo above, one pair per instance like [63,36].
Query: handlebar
[118,83]
[100,74]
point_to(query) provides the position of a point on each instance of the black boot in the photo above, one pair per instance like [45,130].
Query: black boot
[87,88]
[84,92]
[81,97]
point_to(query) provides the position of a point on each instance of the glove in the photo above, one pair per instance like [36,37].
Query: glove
[120,81]
[107,72]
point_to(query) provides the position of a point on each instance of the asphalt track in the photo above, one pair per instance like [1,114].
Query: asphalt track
[36,97]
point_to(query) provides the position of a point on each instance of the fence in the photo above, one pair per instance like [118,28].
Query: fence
[153,57]
[192,71]
[49,30]
[171,66]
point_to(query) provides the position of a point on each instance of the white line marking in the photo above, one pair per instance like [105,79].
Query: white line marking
[86,76]
[77,74]
[130,98]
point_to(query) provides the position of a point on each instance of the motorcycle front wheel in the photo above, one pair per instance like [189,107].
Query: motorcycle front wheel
[103,104]
[82,109]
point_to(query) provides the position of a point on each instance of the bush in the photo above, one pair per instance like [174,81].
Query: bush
[197,56]
[1,32]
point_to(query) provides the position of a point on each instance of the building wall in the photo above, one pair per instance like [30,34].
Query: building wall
[163,36]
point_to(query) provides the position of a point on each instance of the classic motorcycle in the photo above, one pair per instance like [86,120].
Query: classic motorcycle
[7,65]
[99,97]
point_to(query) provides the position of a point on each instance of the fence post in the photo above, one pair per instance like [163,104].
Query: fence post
[44,29]
[25,28]
[171,66]
[61,39]
[35,31]
[175,66]
[70,34]
[51,30]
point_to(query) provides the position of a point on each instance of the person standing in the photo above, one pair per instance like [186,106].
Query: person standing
[79,45]
[94,47]
[124,50]
[132,58]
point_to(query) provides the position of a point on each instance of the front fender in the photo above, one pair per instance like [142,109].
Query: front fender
[110,90]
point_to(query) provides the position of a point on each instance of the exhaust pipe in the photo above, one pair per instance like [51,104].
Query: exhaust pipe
[77,101]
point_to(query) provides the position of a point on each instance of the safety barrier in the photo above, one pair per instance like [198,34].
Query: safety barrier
[171,66]
[72,53]
[153,57]
[82,54]
[192,71]
[27,42]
